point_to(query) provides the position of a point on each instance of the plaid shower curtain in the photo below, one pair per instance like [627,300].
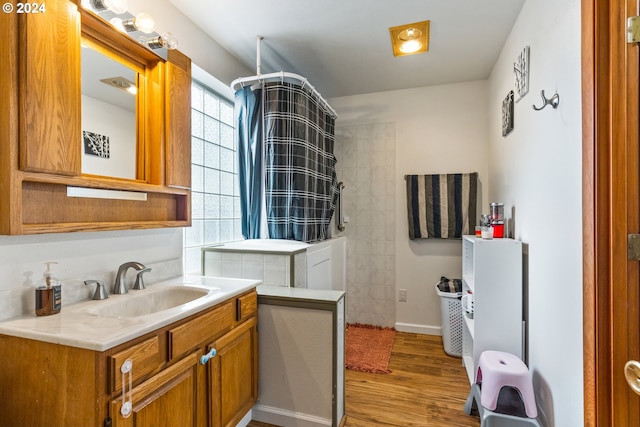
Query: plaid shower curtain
[300,177]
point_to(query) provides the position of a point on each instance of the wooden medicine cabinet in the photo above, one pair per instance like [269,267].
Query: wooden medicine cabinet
[46,185]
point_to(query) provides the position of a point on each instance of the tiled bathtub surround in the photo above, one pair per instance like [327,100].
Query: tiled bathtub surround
[272,269]
[366,165]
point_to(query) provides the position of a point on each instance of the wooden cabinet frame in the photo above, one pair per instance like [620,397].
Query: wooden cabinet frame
[40,130]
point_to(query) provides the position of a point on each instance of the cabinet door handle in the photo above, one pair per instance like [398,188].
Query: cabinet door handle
[127,405]
[204,359]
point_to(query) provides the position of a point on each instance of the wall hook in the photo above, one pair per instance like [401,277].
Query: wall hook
[553,101]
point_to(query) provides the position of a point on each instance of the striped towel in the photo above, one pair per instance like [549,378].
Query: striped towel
[442,206]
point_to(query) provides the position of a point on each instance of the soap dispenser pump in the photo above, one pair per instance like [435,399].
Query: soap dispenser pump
[48,294]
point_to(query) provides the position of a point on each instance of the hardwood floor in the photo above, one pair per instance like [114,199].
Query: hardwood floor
[427,388]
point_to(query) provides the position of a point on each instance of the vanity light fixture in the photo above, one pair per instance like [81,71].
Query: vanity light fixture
[116,6]
[142,22]
[410,38]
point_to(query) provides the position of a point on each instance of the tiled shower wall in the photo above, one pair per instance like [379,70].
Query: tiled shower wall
[366,165]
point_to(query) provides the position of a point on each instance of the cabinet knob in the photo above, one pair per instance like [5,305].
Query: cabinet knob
[204,359]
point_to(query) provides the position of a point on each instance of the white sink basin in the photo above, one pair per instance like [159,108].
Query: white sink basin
[148,301]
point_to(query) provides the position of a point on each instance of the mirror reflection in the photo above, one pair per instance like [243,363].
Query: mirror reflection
[109,136]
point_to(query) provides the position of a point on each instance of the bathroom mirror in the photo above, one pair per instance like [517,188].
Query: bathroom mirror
[109,106]
[112,61]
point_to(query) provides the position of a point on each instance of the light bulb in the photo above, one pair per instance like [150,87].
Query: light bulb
[410,46]
[116,6]
[144,22]
[410,34]
[117,23]
[170,41]
[167,40]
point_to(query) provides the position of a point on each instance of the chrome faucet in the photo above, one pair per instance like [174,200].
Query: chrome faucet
[100,292]
[119,287]
[139,284]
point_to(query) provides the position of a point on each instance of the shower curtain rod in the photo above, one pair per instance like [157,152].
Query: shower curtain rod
[280,75]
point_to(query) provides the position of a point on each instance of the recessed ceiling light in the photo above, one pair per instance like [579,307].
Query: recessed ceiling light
[410,38]
[122,84]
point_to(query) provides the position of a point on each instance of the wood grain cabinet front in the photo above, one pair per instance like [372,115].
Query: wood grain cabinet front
[233,375]
[193,333]
[41,129]
[166,399]
[144,358]
[50,90]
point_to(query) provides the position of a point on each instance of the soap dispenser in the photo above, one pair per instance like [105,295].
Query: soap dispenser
[48,294]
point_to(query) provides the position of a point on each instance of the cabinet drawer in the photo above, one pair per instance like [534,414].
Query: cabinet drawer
[168,398]
[247,306]
[194,332]
[146,357]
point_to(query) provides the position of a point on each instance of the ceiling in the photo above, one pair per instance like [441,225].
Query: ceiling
[343,46]
[95,67]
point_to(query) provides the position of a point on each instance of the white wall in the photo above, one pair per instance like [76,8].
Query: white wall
[438,129]
[537,170]
[119,125]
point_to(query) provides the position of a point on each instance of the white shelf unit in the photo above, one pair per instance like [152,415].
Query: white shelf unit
[492,271]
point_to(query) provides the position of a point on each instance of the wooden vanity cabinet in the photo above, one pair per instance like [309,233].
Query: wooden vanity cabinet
[62,386]
[41,129]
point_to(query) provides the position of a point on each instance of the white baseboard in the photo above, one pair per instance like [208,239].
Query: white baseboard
[282,417]
[419,329]
[244,422]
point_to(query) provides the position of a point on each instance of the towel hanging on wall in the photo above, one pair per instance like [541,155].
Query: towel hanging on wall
[442,206]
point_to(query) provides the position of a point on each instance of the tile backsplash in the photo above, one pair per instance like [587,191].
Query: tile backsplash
[272,269]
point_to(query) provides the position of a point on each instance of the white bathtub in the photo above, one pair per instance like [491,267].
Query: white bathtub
[277,262]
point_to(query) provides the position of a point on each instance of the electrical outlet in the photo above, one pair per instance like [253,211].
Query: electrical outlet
[403,295]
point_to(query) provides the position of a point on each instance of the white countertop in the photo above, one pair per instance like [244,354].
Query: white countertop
[300,293]
[261,245]
[76,326]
